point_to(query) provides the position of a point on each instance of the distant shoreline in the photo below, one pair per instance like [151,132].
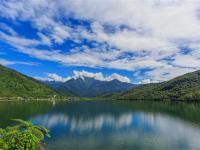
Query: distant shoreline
[3,100]
[95,99]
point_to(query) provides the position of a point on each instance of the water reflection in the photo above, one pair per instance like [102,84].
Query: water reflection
[98,126]
[86,124]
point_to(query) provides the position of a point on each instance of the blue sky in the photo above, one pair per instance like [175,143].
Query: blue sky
[138,41]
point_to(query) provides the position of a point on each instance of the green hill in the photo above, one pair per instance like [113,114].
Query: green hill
[14,84]
[186,87]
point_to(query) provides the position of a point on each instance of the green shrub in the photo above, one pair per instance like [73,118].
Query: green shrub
[23,136]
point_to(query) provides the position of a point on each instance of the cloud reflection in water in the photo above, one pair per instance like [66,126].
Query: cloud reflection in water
[152,129]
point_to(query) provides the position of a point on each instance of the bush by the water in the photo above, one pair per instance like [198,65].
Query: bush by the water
[23,136]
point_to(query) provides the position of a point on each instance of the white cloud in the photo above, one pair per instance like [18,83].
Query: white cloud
[8,29]
[118,77]
[60,34]
[8,62]
[152,31]
[53,77]
[15,40]
[187,61]
[100,76]
[45,39]
[145,81]
[167,72]
[56,77]
[82,74]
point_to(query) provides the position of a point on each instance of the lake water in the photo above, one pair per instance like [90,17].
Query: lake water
[101,125]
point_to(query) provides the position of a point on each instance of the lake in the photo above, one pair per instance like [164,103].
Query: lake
[111,125]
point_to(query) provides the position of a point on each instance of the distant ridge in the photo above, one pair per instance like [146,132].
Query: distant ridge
[185,87]
[89,87]
[15,84]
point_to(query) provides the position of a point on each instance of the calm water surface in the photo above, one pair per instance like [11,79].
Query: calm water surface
[95,125]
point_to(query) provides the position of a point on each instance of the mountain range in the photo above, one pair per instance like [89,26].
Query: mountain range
[15,84]
[89,87]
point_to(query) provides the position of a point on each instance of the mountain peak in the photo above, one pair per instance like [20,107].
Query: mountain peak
[85,86]
[83,78]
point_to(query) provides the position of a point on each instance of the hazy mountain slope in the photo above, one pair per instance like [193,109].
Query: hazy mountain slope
[15,84]
[89,87]
[186,87]
[53,84]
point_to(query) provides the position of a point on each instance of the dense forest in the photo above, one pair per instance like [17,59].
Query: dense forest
[185,87]
[15,84]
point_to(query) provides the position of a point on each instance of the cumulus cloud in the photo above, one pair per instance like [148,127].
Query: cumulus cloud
[148,34]
[82,74]
[100,76]
[53,77]
[58,78]
[118,77]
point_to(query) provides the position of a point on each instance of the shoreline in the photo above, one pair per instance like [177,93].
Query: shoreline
[95,99]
